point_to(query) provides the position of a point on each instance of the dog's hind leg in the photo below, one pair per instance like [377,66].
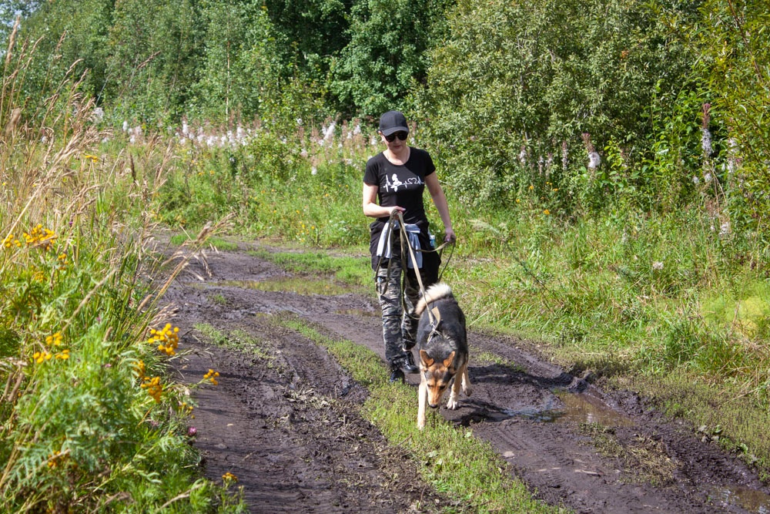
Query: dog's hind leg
[466,381]
[422,393]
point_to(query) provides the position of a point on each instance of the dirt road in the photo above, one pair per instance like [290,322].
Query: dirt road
[285,419]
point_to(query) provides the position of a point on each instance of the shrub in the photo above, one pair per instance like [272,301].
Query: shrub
[516,84]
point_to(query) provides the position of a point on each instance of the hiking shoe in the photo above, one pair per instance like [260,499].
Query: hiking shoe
[396,375]
[408,365]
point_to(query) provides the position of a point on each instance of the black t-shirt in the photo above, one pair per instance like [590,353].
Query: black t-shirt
[401,185]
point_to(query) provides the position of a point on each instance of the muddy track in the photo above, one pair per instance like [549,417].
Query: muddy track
[285,420]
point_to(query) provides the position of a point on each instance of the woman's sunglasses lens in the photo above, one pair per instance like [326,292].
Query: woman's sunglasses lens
[400,134]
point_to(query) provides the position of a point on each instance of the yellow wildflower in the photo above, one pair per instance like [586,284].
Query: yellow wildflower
[211,376]
[41,357]
[546,212]
[54,340]
[38,276]
[141,369]
[64,355]
[40,236]
[227,477]
[167,339]
[531,187]
[154,387]
[92,158]
[52,460]
[9,241]
[185,407]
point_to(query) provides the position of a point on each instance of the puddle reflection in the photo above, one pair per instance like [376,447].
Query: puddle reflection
[577,408]
[749,499]
[584,408]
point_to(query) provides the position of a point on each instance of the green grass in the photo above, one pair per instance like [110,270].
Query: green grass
[454,461]
[348,269]
[304,285]
[484,357]
[215,242]
[237,339]
[218,299]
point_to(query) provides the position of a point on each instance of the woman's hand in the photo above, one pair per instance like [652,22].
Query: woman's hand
[395,210]
[449,236]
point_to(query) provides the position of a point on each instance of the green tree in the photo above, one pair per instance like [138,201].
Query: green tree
[154,50]
[386,54]
[514,80]
[733,46]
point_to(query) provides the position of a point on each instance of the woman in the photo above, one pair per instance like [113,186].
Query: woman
[394,181]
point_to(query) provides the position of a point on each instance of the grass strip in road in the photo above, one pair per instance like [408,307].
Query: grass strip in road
[455,462]
[237,339]
[216,242]
[349,269]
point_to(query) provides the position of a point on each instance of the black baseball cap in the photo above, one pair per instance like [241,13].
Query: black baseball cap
[392,121]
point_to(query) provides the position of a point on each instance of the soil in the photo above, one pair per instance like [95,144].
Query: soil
[285,418]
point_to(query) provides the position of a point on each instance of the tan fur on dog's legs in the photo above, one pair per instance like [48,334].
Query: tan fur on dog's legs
[466,382]
[452,403]
[422,393]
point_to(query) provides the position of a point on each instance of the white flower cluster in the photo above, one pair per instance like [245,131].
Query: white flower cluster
[594,160]
[198,137]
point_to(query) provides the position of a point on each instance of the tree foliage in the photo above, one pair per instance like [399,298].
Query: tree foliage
[515,81]
[387,52]
[508,88]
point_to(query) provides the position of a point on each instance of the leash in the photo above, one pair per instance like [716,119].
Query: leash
[404,240]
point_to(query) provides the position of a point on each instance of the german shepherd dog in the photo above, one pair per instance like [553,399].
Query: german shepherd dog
[443,349]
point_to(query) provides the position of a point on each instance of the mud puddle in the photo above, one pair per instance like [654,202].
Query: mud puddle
[751,500]
[575,408]
[288,426]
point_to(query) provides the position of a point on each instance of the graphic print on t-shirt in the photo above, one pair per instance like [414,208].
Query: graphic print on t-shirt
[395,183]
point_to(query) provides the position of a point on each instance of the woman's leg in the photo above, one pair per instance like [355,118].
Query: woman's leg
[389,292]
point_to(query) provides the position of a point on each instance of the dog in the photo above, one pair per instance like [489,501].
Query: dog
[443,349]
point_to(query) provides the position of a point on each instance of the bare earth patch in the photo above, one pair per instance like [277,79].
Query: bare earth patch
[285,417]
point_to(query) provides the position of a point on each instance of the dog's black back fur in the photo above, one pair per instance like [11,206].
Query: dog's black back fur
[450,334]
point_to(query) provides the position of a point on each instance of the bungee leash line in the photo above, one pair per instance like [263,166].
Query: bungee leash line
[404,239]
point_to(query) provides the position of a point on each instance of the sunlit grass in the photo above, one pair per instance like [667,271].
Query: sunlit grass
[350,270]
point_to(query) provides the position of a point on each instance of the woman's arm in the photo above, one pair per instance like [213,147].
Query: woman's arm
[371,208]
[439,199]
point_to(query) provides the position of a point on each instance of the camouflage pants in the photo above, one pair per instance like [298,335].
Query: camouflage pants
[399,326]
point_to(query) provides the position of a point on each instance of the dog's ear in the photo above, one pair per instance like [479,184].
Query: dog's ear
[425,359]
[449,360]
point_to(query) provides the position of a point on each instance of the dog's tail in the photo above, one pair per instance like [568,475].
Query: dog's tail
[434,292]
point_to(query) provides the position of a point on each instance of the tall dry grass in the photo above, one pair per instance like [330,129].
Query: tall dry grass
[89,420]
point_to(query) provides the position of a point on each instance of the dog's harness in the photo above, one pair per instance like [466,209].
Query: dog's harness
[409,234]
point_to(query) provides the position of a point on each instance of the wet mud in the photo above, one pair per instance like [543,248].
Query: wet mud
[285,419]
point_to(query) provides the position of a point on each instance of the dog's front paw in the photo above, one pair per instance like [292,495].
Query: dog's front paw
[467,390]
[452,403]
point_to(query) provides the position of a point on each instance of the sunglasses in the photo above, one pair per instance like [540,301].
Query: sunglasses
[401,134]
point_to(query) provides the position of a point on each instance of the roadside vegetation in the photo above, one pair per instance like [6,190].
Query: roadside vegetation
[606,165]
[89,419]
